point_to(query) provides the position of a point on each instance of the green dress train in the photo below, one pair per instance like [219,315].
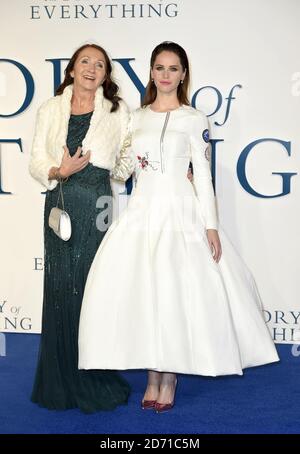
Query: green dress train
[58,382]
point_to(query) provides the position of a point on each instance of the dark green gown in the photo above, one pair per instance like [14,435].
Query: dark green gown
[58,382]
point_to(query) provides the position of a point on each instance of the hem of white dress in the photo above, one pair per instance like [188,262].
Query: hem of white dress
[179,370]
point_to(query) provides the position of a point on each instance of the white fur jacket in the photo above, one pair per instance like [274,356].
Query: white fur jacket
[107,137]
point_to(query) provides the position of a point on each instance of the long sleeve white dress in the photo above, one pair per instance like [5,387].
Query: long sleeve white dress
[154,297]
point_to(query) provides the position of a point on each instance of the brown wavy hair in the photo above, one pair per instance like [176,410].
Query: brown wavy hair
[110,88]
[182,89]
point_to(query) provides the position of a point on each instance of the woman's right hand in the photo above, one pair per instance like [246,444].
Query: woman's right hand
[73,164]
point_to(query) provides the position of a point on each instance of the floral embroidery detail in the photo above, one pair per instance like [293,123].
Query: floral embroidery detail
[144,162]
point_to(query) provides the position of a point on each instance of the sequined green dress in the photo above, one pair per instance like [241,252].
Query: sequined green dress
[58,382]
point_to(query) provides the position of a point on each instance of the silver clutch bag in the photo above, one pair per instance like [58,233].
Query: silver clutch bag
[59,220]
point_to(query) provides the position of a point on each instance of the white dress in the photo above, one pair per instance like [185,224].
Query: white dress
[155,298]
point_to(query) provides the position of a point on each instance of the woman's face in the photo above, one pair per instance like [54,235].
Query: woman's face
[89,70]
[167,72]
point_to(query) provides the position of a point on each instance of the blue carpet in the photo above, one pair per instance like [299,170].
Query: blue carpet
[265,400]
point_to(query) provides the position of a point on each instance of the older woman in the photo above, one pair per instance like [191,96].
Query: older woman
[78,140]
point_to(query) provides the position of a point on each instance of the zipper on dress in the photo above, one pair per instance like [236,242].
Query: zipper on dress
[162,166]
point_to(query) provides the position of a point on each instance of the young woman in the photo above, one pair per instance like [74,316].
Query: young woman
[160,294]
[78,137]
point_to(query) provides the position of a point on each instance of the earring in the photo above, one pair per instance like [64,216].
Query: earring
[181,81]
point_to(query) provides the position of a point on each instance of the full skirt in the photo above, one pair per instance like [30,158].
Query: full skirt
[155,298]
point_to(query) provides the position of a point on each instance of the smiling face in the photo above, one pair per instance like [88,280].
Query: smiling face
[89,69]
[167,72]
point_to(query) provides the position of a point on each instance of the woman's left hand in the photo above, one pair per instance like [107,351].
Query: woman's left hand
[190,175]
[214,244]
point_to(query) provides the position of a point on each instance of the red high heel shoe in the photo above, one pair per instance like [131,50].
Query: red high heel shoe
[148,404]
[161,408]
